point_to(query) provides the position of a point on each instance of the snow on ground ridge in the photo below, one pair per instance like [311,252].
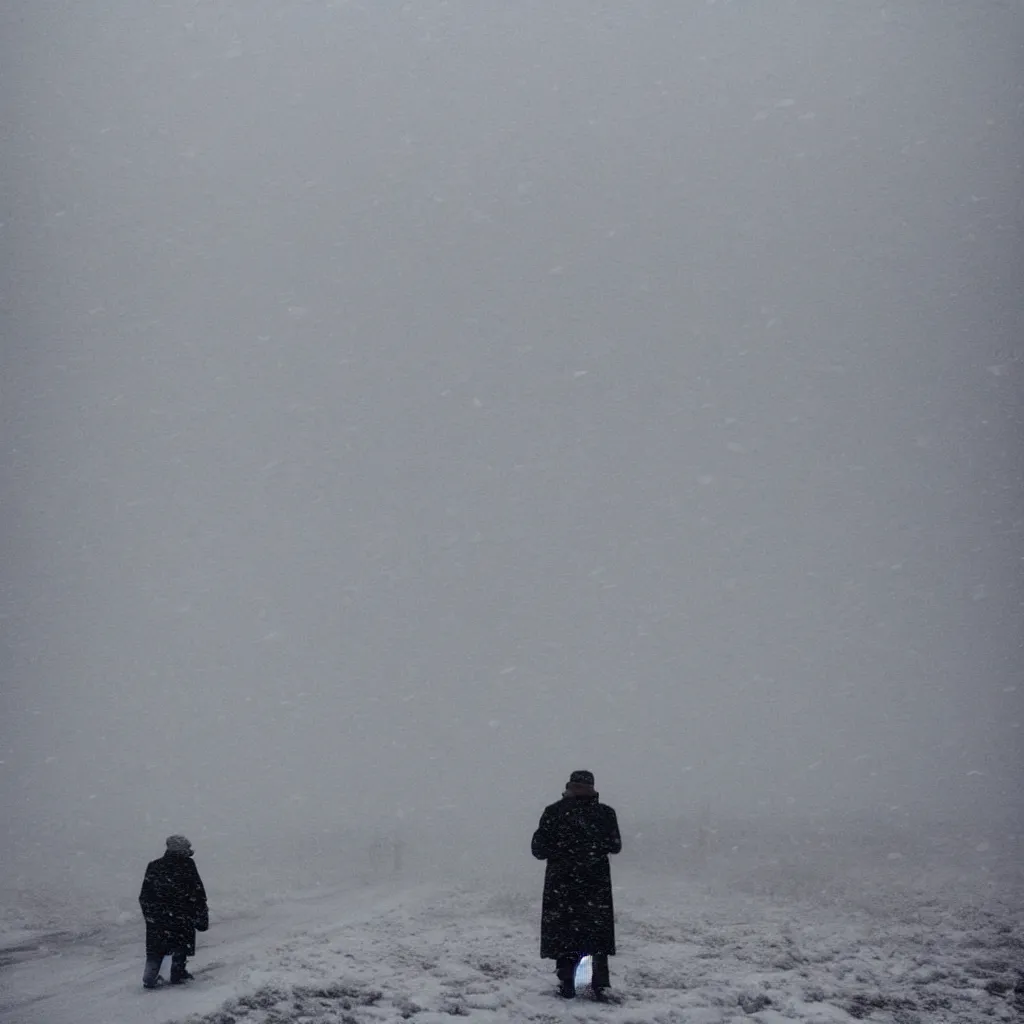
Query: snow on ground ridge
[684,956]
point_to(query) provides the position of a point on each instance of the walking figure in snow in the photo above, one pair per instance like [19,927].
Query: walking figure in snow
[173,903]
[386,853]
[575,837]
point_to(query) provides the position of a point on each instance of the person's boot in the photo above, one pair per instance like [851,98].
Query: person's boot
[151,975]
[178,972]
[600,981]
[566,971]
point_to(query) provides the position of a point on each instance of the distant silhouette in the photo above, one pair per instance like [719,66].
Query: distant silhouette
[173,902]
[387,854]
[575,837]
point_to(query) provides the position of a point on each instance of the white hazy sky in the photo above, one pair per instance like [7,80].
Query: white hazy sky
[403,405]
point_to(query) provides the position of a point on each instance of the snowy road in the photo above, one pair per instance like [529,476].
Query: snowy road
[431,953]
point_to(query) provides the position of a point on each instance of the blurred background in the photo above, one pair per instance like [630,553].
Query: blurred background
[404,405]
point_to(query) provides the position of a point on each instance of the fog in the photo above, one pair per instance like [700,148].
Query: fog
[404,405]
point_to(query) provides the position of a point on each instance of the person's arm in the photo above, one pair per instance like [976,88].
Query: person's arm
[198,890]
[613,838]
[202,914]
[147,897]
[542,845]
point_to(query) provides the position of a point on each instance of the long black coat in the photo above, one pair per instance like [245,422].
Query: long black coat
[172,900]
[575,837]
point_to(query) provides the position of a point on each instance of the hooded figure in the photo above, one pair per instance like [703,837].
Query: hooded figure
[575,837]
[173,903]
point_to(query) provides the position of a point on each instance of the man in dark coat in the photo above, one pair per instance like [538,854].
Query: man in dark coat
[575,837]
[173,903]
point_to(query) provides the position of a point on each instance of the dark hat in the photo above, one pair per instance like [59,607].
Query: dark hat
[178,844]
[583,778]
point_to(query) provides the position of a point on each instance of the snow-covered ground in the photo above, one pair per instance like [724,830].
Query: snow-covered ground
[765,947]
